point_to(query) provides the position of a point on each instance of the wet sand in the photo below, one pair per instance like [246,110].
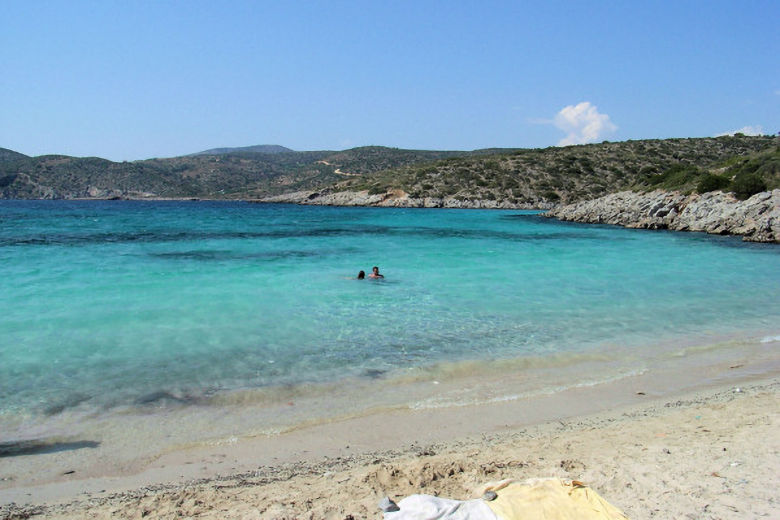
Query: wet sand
[701,442]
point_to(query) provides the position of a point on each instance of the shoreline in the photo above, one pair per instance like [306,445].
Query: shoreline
[715,213]
[351,443]
[754,219]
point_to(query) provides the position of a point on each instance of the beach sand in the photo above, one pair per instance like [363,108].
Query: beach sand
[712,453]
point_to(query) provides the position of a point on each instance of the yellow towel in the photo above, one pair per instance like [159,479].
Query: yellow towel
[550,499]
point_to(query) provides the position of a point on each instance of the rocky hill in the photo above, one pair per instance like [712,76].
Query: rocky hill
[564,174]
[259,148]
[233,175]
[7,155]
[377,175]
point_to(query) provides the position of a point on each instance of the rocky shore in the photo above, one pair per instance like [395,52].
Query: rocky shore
[756,219]
[397,199]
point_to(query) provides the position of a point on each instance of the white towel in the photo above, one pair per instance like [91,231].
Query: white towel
[426,507]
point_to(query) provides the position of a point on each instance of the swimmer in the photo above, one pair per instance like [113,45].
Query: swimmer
[375,273]
[361,275]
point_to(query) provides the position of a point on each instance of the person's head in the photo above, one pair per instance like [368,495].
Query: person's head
[361,275]
[375,270]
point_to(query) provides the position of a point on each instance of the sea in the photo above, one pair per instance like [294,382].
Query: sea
[204,310]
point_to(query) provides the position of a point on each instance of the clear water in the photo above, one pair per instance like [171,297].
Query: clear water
[117,304]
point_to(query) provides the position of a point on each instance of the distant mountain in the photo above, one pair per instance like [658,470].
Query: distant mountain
[258,148]
[10,155]
[239,174]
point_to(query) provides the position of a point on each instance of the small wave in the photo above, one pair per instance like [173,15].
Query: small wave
[718,343]
[438,403]
[447,371]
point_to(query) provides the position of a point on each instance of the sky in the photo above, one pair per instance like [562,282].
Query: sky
[128,80]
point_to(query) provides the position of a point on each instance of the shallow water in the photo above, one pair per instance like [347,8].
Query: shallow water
[122,305]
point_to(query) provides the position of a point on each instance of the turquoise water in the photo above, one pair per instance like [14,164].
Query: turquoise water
[117,304]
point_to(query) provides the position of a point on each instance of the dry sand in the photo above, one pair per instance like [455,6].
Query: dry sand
[709,454]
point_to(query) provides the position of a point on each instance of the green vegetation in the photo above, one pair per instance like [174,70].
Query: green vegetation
[572,173]
[531,176]
[7,155]
[746,184]
[221,173]
[7,180]
[677,177]
[743,175]
[756,173]
[710,182]
[260,148]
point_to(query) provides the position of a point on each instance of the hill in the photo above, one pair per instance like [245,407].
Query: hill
[235,175]
[514,177]
[573,173]
[9,155]
[259,148]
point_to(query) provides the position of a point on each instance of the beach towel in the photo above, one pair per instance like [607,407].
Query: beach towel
[549,499]
[535,499]
[427,507]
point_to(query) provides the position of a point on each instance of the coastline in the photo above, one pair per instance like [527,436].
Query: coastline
[397,199]
[372,453]
[756,219]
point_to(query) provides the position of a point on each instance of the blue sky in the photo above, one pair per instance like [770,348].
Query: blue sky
[131,80]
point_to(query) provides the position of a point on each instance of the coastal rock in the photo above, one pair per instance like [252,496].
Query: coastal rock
[397,199]
[756,219]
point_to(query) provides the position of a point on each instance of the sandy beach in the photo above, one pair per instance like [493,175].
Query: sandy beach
[708,452]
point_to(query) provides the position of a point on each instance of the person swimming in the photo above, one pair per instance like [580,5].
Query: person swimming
[361,275]
[375,273]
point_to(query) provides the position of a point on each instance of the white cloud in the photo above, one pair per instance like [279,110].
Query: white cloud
[747,130]
[583,124]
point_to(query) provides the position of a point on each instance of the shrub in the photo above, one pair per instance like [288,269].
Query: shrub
[680,175]
[746,185]
[766,165]
[7,180]
[676,177]
[709,182]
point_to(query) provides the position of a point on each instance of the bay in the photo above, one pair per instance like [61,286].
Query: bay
[161,303]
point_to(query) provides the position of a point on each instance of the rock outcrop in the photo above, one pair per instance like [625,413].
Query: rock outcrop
[757,219]
[397,199]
